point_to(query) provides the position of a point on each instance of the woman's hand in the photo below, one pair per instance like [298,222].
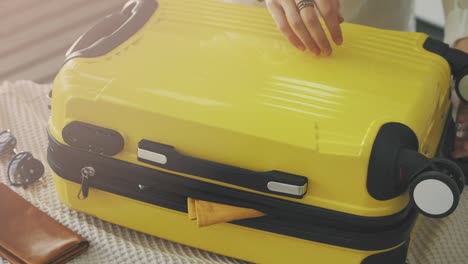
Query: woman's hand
[461,141]
[303,27]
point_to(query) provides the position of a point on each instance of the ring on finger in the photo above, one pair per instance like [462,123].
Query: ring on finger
[304,3]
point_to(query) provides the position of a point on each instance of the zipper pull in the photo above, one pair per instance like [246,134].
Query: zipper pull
[86,172]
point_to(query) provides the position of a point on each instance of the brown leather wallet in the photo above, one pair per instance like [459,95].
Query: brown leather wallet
[29,236]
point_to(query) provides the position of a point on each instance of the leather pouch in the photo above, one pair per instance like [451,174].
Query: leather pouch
[28,235]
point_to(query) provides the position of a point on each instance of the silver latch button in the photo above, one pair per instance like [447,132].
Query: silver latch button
[287,188]
[152,156]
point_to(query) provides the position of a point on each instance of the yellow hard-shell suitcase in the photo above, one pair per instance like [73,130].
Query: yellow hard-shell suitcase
[203,99]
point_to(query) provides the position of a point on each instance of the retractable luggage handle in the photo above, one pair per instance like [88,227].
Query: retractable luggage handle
[458,61]
[274,182]
[113,29]
[435,184]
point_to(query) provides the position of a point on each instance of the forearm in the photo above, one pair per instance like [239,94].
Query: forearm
[456,23]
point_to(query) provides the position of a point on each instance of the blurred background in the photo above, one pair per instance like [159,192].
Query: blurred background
[35,34]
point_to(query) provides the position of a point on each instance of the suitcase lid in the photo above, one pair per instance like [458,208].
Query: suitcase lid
[227,65]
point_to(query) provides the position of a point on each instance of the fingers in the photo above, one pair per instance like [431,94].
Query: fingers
[461,140]
[298,26]
[460,149]
[330,12]
[303,29]
[282,23]
[340,17]
[312,23]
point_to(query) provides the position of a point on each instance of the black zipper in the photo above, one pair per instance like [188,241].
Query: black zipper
[283,217]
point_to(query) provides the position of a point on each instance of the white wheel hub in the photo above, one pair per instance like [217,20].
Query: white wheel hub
[433,197]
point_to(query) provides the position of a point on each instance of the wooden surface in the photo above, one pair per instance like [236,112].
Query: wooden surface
[35,34]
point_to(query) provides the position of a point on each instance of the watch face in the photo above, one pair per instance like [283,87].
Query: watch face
[7,143]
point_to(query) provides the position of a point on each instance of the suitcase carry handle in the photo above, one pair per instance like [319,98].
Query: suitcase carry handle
[275,182]
[458,61]
[113,30]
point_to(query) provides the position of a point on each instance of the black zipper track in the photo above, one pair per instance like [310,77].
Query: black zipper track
[283,217]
